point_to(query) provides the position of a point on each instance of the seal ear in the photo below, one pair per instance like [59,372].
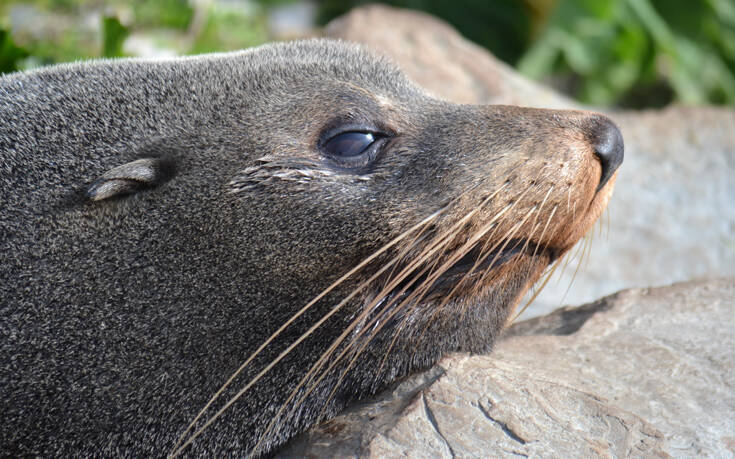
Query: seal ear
[130,178]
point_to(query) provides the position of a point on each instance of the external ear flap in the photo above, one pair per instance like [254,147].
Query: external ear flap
[130,178]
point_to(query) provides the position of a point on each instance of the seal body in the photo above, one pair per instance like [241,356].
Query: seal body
[161,220]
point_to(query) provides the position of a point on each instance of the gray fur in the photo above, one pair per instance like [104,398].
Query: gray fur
[160,219]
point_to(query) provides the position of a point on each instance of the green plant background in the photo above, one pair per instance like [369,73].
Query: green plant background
[625,53]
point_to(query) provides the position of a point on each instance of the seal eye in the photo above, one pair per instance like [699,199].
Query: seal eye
[349,144]
[354,150]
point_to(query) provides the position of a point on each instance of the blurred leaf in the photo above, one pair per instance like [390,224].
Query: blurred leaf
[270,3]
[10,54]
[175,14]
[610,49]
[579,54]
[541,57]
[230,29]
[113,36]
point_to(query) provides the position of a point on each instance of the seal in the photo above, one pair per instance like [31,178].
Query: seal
[207,255]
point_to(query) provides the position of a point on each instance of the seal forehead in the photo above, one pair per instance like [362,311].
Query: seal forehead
[347,62]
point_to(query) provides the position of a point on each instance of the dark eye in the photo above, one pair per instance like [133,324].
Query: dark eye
[349,144]
[354,150]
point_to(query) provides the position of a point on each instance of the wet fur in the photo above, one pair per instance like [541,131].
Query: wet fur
[121,318]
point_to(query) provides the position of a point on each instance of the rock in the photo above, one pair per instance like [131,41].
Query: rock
[642,373]
[436,57]
[673,214]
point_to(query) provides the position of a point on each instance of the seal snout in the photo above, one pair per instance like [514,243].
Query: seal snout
[607,141]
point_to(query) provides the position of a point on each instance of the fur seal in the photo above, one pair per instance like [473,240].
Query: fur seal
[267,234]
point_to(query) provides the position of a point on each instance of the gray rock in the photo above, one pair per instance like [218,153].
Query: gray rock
[673,214]
[642,373]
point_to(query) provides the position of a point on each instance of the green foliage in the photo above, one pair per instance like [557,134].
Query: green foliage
[175,14]
[10,54]
[228,29]
[64,31]
[113,36]
[639,52]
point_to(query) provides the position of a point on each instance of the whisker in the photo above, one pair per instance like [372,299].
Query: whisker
[538,291]
[589,249]
[177,449]
[423,289]
[507,238]
[543,233]
[435,246]
[528,239]
[316,367]
[535,224]
[441,243]
[419,292]
[579,264]
[478,236]
[400,257]
[579,246]
[401,326]
[550,271]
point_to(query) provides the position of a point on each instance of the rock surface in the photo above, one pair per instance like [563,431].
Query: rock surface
[642,373]
[673,214]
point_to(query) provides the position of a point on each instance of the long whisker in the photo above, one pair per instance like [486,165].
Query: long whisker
[550,271]
[393,311]
[585,246]
[447,298]
[538,291]
[177,449]
[319,323]
[548,220]
[317,366]
[541,238]
[403,323]
[421,260]
[507,238]
[460,253]
[589,250]
[403,255]
[419,293]
[577,252]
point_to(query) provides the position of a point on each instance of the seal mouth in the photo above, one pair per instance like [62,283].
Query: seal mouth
[475,268]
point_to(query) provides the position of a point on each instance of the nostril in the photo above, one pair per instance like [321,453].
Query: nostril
[608,144]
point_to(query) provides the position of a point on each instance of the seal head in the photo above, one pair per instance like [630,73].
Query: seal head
[268,234]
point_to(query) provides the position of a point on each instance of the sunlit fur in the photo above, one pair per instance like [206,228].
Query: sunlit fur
[252,287]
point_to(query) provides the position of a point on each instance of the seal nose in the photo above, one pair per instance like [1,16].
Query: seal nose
[608,144]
